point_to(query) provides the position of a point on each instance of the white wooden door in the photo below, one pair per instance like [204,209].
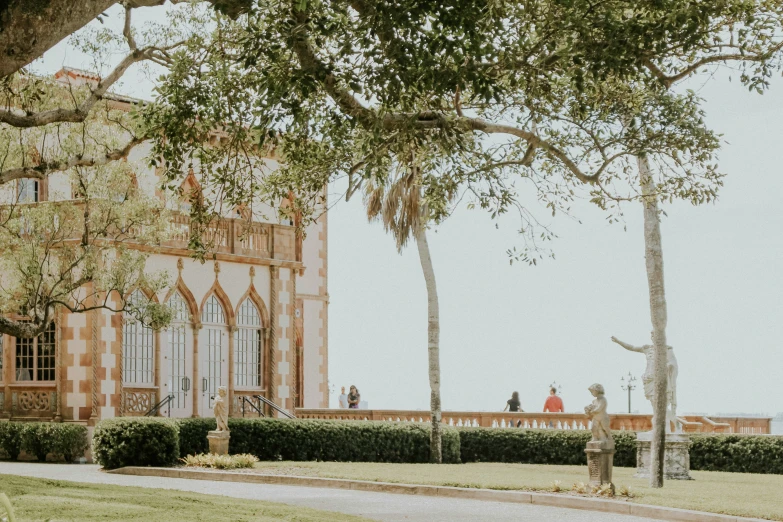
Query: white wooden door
[213,364]
[178,368]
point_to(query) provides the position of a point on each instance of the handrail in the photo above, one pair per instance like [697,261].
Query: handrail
[165,402]
[275,406]
[246,400]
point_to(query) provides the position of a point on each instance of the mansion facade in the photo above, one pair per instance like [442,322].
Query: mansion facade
[253,318]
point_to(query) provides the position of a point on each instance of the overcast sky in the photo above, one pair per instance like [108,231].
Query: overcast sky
[519,328]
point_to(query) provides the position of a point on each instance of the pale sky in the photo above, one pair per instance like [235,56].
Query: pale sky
[518,328]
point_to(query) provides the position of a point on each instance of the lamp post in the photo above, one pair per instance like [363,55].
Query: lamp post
[628,385]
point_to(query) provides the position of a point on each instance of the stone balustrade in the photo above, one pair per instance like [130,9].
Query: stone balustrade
[560,421]
[239,237]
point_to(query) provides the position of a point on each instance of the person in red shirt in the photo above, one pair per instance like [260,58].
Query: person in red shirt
[553,403]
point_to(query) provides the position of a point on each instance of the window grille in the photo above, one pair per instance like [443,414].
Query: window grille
[138,348]
[35,358]
[178,307]
[213,312]
[27,190]
[248,346]
[178,349]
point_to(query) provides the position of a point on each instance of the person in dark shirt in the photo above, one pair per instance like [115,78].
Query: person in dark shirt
[514,405]
[353,398]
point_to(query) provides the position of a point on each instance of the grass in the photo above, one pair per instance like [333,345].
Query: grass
[42,499]
[739,494]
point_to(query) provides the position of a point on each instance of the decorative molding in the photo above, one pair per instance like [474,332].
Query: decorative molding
[34,401]
[225,302]
[139,402]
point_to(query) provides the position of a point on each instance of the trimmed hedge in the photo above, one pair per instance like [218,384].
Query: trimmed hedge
[117,442]
[737,453]
[137,441]
[533,446]
[10,439]
[159,442]
[351,441]
[41,438]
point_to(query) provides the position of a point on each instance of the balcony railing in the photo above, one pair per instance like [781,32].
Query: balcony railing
[224,236]
[559,421]
[239,237]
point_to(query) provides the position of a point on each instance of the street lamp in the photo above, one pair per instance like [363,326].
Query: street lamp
[628,385]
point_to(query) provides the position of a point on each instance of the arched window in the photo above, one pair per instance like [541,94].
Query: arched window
[213,312]
[138,349]
[248,346]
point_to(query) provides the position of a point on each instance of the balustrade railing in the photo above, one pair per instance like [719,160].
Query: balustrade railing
[235,236]
[558,421]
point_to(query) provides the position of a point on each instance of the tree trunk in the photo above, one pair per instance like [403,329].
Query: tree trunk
[28,29]
[654,261]
[433,343]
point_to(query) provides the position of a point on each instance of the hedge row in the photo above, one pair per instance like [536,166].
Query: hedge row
[737,453]
[68,441]
[156,442]
[528,446]
[160,442]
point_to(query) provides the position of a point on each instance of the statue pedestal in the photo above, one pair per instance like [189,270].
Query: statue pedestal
[218,442]
[600,459]
[677,458]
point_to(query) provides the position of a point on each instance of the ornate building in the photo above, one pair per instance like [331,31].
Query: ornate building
[255,319]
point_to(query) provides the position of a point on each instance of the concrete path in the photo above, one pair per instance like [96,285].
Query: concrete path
[377,506]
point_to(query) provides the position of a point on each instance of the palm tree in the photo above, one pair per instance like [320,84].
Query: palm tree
[397,203]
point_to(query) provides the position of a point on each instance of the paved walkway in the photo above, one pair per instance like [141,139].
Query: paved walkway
[377,506]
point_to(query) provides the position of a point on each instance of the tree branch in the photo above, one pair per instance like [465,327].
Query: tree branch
[669,80]
[44,169]
[78,114]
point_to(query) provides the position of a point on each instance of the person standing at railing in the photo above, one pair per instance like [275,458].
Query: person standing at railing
[353,398]
[343,398]
[514,405]
[553,403]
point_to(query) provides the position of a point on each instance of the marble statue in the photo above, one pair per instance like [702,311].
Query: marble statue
[597,413]
[648,380]
[221,409]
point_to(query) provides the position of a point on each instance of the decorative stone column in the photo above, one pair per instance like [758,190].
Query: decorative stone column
[677,459]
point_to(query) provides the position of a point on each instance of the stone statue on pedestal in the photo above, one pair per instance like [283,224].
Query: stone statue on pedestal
[600,449]
[221,410]
[648,380]
[218,439]
[596,412]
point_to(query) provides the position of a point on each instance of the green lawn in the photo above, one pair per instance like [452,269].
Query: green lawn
[738,494]
[41,499]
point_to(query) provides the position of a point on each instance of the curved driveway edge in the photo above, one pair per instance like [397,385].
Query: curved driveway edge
[518,497]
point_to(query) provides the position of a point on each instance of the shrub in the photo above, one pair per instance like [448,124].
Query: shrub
[737,453]
[10,441]
[37,439]
[533,446]
[42,438]
[193,435]
[136,442]
[209,460]
[351,441]
[302,440]
[70,441]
